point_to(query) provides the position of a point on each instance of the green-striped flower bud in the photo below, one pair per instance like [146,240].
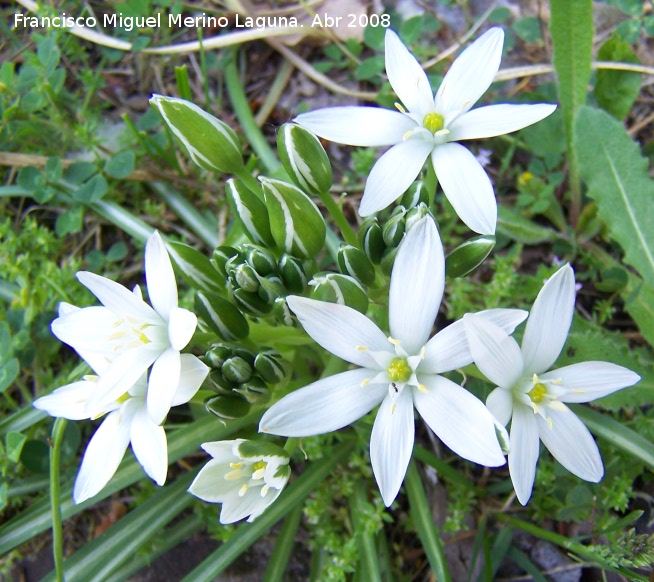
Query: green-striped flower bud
[260,259]
[371,239]
[416,194]
[354,262]
[223,318]
[304,159]
[295,221]
[244,353]
[216,355]
[196,268]
[387,260]
[219,383]
[221,256]
[254,391]
[210,143]
[293,274]
[283,314]
[250,211]
[414,215]
[393,230]
[270,365]
[246,278]
[341,289]
[227,406]
[270,288]
[236,370]
[250,303]
[469,255]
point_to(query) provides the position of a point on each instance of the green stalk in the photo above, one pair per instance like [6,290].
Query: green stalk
[283,547]
[368,556]
[249,533]
[244,115]
[336,213]
[55,496]
[426,527]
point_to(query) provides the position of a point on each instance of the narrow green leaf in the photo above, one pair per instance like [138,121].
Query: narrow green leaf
[616,173]
[521,229]
[283,547]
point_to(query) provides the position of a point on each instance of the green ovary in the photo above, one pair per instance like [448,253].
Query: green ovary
[537,393]
[399,370]
[433,122]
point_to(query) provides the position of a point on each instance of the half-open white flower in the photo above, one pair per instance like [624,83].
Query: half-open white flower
[426,124]
[127,421]
[245,476]
[535,399]
[398,372]
[136,335]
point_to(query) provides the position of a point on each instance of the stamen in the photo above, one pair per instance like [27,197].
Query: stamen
[264,490]
[258,474]
[423,352]
[236,465]
[407,135]
[422,388]
[243,490]
[393,407]
[232,475]
[395,342]
[399,107]
[361,349]
[365,382]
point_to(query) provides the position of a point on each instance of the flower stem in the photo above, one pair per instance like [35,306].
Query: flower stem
[427,529]
[57,534]
[336,213]
[368,555]
[283,547]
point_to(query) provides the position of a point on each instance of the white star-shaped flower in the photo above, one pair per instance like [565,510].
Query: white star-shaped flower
[398,372]
[533,398]
[430,125]
[135,335]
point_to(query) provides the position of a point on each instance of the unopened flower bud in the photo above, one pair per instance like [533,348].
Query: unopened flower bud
[341,289]
[254,391]
[293,275]
[224,319]
[250,211]
[221,256]
[260,259]
[227,406]
[416,194]
[372,240]
[236,370]
[469,255]
[270,365]
[354,262]
[393,230]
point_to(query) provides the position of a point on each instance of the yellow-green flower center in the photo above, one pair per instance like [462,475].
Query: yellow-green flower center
[259,465]
[433,122]
[399,370]
[537,393]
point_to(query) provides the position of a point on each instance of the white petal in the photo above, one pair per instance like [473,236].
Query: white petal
[162,287]
[102,457]
[391,444]
[416,287]
[210,484]
[181,327]
[500,404]
[496,353]
[358,126]
[466,186]
[393,173]
[266,501]
[236,508]
[459,419]
[86,330]
[448,350]
[192,373]
[407,77]
[324,406]
[149,445]
[497,120]
[223,451]
[549,321]
[524,451]
[470,75]
[590,380]
[341,330]
[68,401]
[164,379]
[571,444]
[117,298]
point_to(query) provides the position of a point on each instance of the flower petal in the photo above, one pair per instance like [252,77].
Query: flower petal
[497,120]
[416,288]
[470,75]
[391,444]
[571,444]
[210,484]
[181,327]
[496,353]
[87,330]
[590,380]
[162,287]
[448,350]
[102,457]
[525,448]
[324,406]
[549,321]
[459,419]
[357,126]
[500,404]
[407,77]
[149,445]
[69,401]
[393,173]
[340,330]
[192,373]
[466,186]
[163,382]
[117,298]
[236,508]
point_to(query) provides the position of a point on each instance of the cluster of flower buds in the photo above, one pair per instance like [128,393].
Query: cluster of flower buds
[241,378]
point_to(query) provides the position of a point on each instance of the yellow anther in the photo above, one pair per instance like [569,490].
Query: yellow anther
[90,378]
[258,474]
[264,490]
[422,388]
[118,322]
[232,475]
[124,398]
[117,335]
[433,122]
[365,382]
[406,135]
[362,349]
[549,422]
[236,465]
[393,407]
[423,352]
[144,338]
[243,490]
[394,341]
[399,107]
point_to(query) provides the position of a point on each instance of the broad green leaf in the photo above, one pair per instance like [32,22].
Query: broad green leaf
[616,174]
[616,91]
[121,165]
[8,372]
[15,442]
